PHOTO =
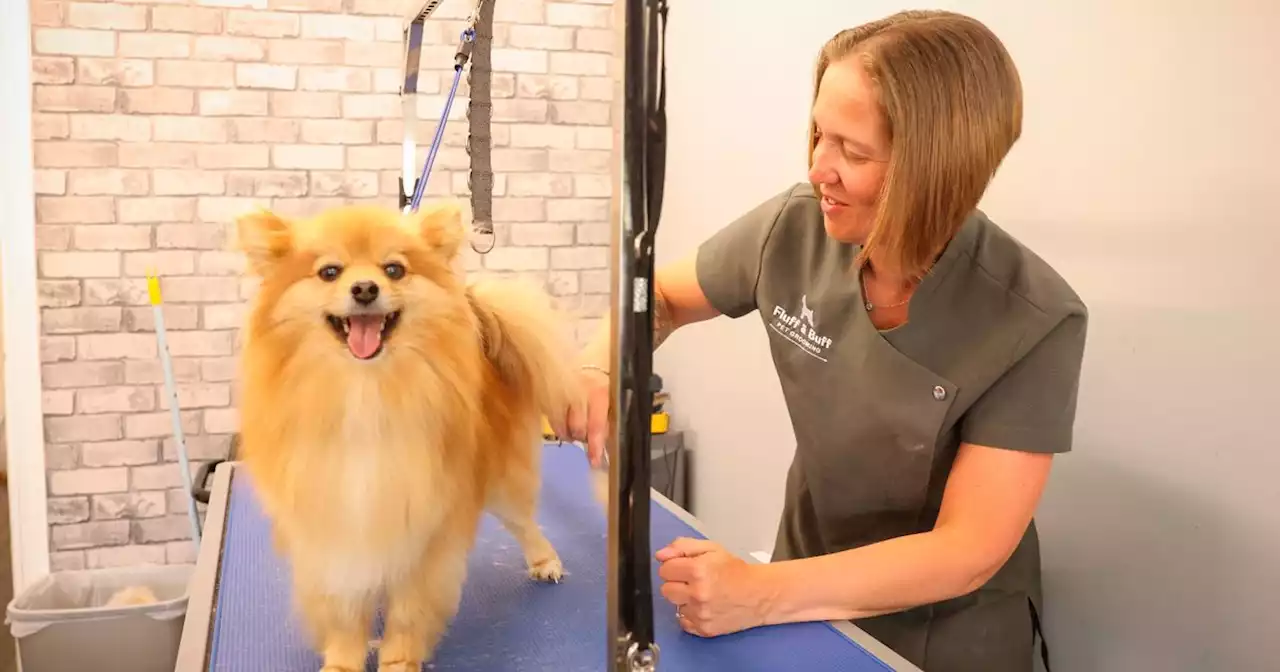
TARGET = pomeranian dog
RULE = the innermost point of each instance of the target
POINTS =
(385, 405)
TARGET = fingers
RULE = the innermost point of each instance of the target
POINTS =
(676, 593)
(597, 423)
(576, 421)
(686, 547)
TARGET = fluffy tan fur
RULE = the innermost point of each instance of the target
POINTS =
(375, 472)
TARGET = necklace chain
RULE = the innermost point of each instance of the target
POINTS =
(870, 305)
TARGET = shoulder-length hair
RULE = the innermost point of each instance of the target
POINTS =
(951, 99)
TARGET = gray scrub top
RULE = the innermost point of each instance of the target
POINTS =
(991, 355)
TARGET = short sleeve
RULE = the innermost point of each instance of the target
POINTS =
(1032, 407)
(728, 263)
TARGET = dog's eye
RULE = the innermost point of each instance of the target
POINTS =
(330, 273)
(393, 270)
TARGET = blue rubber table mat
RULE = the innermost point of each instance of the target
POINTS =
(507, 621)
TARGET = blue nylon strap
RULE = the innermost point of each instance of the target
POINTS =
(468, 35)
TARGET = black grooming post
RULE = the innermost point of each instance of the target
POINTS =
(631, 632)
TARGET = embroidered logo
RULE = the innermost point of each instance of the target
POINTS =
(801, 330)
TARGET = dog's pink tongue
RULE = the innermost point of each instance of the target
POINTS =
(365, 335)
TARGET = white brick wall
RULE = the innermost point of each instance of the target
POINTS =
(156, 123)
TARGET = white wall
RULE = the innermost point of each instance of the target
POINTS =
(1151, 149)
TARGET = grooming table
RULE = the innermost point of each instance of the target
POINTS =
(239, 617)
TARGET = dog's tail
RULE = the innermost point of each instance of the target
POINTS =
(527, 341)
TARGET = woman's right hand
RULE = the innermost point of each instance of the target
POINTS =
(588, 421)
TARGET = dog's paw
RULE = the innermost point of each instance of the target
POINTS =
(549, 570)
(400, 666)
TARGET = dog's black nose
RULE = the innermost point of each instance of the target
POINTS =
(365, 292)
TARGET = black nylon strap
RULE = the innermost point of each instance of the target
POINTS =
(479, 124)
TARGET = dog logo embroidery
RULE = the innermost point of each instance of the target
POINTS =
(806, 313)
(801, 330)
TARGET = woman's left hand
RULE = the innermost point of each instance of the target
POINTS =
(714, 591)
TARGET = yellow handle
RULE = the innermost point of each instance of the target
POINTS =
(153, 288)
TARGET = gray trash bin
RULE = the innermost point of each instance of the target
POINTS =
(61, 623)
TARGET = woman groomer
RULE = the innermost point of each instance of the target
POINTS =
(929, 361)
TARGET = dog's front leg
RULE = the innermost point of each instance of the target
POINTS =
(420, 609)
(340, 626)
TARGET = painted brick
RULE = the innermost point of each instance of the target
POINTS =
(144, 504)
(89, 535)
(188, 183)
(120, 453)
(115, 400)
(74, 210)
(74, 98)
(232, 156)
(200, 343)
(158, 425)
(75, 154)
(175, 317)
(190, 236)
(74, 42)
(266, 76)
(50, 237)
(54, 349)
(58, 402)
(166, 528)
(580, 257)
(156, 477)
(221, 47)
(155, 210)
(267, 130)
(180, 19)
(58, 293)
(308, 104)
(233, 103)
(64, 561)
(63, 510)
(578, 14)
(133, 555)
(53, 70)
(45, 126)
(304, 52)
(218, 369)
(88, 481)
(155, 45)
(158, 100)
(115, 72)
(80, 320)
(48, 13)
(156, 154)
(205, 74)
(200, 447)
(263, 24)
(142, 371)
(79, 264)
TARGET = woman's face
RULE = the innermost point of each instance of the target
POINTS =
(851, 155)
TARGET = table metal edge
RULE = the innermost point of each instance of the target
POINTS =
(193, 648)
(859, 636)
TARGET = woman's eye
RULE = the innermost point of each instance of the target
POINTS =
(330, 273)
(394, 270)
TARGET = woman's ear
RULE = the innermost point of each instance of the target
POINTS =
(265, 238)
(440, 227)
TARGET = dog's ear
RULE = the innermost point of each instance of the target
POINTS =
(440, 226)
(264, 237)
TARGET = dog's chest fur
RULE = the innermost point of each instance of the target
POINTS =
(393, 493)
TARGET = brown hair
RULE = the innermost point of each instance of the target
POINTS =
(952, 105)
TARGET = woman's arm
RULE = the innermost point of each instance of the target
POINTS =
(988, 503)
(678, 300)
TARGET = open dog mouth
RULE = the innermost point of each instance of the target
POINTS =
(364, 334)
